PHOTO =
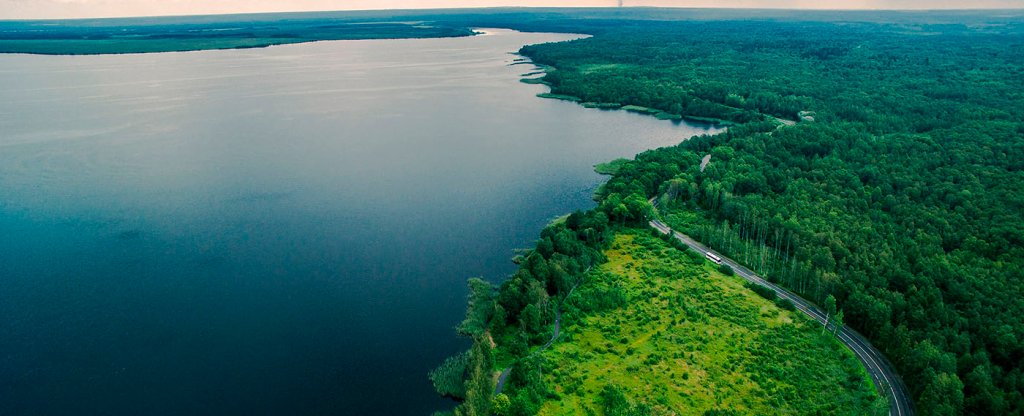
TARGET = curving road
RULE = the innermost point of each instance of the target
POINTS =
(881, 371)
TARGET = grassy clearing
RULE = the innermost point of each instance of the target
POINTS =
(689, 340)
(604, 106)
(559, 97)
(611, 167)
(661, 115)
(639, 109)
(590, 68)
(534, 81)
(558, 220)
(712, 120)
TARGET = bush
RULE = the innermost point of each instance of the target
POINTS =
(726, 269)
(615, 403)
(785, 304)
(449, 377)
(679, 245)
(501, 404)
(764, 292)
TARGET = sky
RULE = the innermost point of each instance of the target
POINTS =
(62, 9)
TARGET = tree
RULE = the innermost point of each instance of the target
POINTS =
(639, 209)
(501, 404)
(837, 323)
(480, 308)
(449, 377)
(830, 309)
(479, 387)
(942, 396)
(531, 320)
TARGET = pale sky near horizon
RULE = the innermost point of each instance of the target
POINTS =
(63, 9)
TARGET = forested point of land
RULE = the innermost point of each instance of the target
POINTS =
(897, 193)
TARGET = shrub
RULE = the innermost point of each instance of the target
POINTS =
(785, 304)
(764, 292)
(726, 269)
(449, 377)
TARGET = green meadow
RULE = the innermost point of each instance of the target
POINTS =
(689, 340)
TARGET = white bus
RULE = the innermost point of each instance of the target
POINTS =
(714, 259)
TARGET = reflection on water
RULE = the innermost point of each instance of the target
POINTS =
(272, 231)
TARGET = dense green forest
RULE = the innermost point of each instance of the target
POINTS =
(898, 193)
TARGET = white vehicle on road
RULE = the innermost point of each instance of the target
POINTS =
(714, 259)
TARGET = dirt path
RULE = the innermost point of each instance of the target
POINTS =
(554, 336)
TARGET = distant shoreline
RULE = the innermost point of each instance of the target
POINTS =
(34, 39)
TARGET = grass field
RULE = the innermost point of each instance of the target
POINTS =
(610, 167)
(692, 341)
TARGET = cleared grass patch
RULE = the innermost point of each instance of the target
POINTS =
(589, 68)
(559, 97)
(611, 167)
(688, 339)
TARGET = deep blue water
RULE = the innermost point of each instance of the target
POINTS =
(272, 231)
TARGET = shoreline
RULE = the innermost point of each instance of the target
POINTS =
(140, 39)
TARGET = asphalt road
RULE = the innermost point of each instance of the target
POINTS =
(881, 371)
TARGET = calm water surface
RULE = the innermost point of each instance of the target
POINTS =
(274, 231)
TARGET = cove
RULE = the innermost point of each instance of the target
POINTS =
(273, 231)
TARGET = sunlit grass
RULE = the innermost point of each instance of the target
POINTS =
(691, 339)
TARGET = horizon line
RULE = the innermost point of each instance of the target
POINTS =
(427, 9)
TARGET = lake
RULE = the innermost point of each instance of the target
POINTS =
(273, 231)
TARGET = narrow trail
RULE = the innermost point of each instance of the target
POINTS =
(554, 336)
